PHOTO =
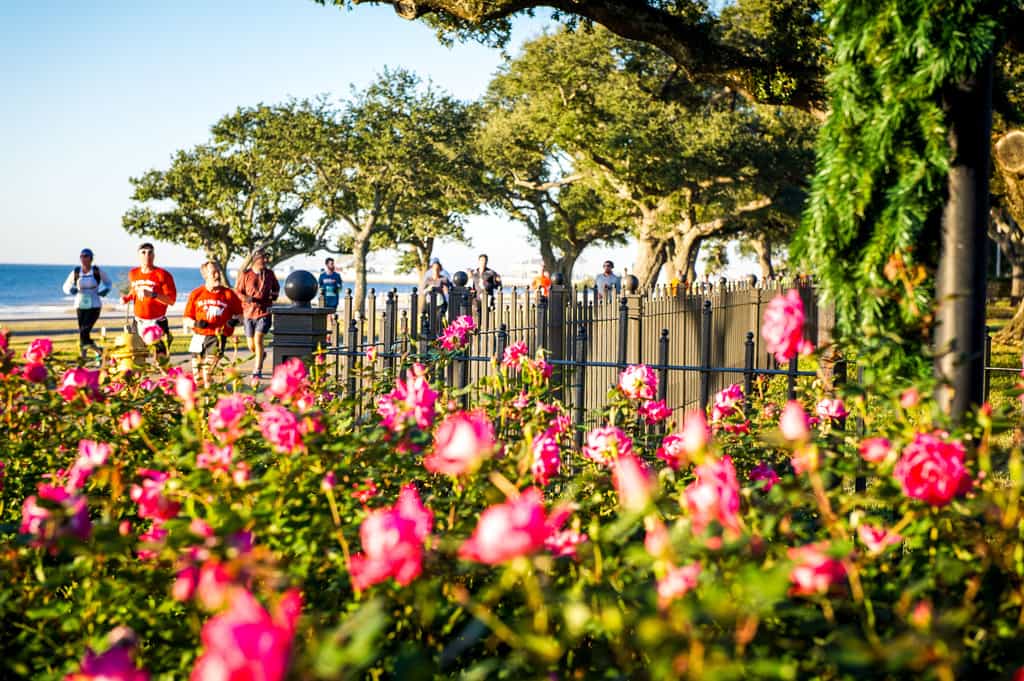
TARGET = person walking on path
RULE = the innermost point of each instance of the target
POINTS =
(258, 289)
(607, 280)
(436, 279)
(215, 311)
(542, 282)
(151, 290)
(87, 283)
(330, 284)
(485, 282)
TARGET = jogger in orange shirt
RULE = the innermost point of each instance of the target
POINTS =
(152, 290)
(215, 311)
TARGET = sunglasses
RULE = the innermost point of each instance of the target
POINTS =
(145, 251)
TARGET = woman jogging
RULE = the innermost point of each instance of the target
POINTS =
(215, 311)
(87, 283)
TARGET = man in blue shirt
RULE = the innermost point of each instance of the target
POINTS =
(330, 285)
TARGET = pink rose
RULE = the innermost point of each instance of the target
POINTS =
(638, 382)
(606, 444)
(130, 421)
(782, 326)
(461, 443)
(150, 496)
(877, 539)
(794, 423)
(185, 389)
(38, 350)
(392, 541)
(455, 335)
(78, 380)
(151, 334)
(281, 428)
(411, 400)
(656, 539)
(633, 482)
(289, 379)
(547, 459)
(654, 411)
(34, 373)
(875, 449)
(116, 664)
(329, 481)
(677, 449)
(677, 582)
(910, 398)
(215, 458)
(714, 495)
(832, 409)
(240, 475)
(515, 528)
(763, 471)
(91, 455)
(371, 354)
(514, 355)
(932, 469)
(563, 544)
(813, 572)
(226, 417)
(45, 525)
(246, 642)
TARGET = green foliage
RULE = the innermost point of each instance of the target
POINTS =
(883, 156)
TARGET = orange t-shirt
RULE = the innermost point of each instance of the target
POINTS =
(216, 307)
(542, 282)
(157, 280)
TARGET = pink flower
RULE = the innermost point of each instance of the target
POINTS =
(714, 496)
(653, 411)
(763, 471)
(91, 455)
(909, 398)
(606, 444)
(564, 543)
(240, 475)
(38, 350)
(515, 528)
(794, 423)
(246, 642)
(289, 379)
(782, 326)
(814, 571)
(185, 389)
(455, 334)
(150, 496)
(151, 334)
(393, 542)
(185, 583)
(727, 402)
(371, 354)
(875, 449)
(152, 539)
(677, 582)
(130, 421)
(79, 379)
(539, 368)
(633, 482)
(115, 664)
(34, 373)
(226, 417)
(46, 525)
(832, 409)
(514, 355)
(461, 443)
(638, 382)
(214, 585)
(281, 429)
(367, 492)
(411, 400)
(877, 539)
(522, 400)
(215, 458)
(676, 450)
(656, 539)
(932, 469)
(329, 482)
(546, 458)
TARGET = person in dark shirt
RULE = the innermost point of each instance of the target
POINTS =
(258, 288)
(485, 282)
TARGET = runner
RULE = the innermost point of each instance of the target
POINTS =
(152, 290)
(485, 282)
(258, 289)
(87, 283)
(330, 284)
(542, 282)
(215, 311)
(439, 281)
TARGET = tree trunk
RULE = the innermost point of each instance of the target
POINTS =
(360, 251)
(763, 247)
(1016, 281)
(566, 264)
(650, 257)
(1013, 332)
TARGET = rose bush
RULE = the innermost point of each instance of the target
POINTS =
(152, 529)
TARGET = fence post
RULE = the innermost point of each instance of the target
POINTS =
(463, 375)
(637, 305)
(748, 369)
(623, 330)
(542, 322)
(424, 345)
(705, 355)
(860, 483)
(663, 372)
(390, 324)
(502, 342)
(414, 312)
(556, 333)
(987, 363)
(458, 297)
(794, 365)
(579, 384)
(353, 340)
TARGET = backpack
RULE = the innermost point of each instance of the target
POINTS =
(95, 273)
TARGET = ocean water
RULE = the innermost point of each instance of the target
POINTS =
(34, 291)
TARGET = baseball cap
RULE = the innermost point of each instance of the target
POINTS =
(86, 251)
(435, 260)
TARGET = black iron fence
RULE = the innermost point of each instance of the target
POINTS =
(698, 340)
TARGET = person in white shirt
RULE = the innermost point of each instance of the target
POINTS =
(607, 280)
(88, 284)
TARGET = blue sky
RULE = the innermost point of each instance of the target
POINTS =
(96, 92)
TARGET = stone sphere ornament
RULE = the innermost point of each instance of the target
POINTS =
(460, 278)
(300, 287)
(558, 279)
(630, 283)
